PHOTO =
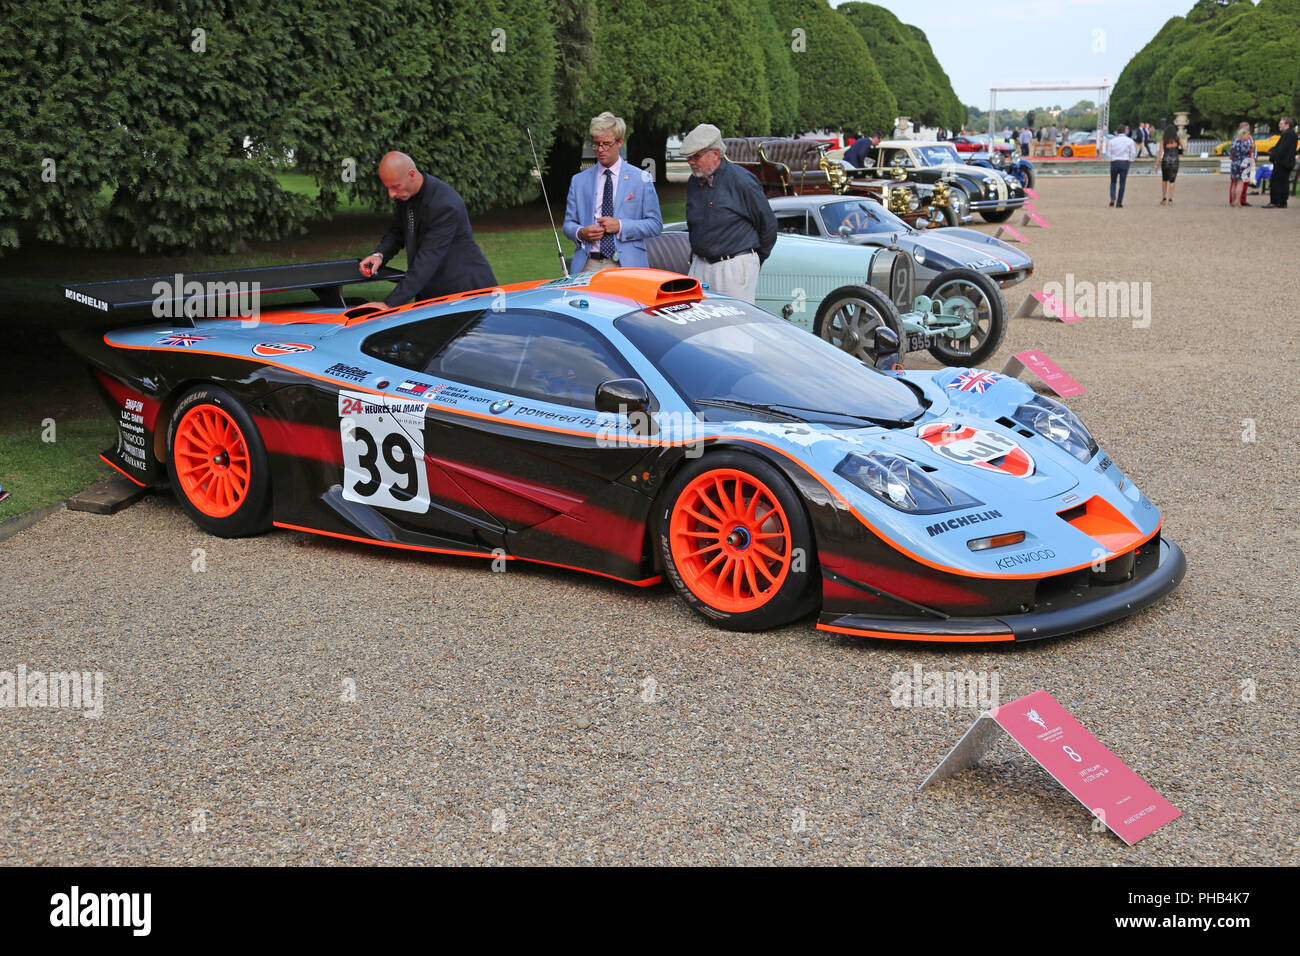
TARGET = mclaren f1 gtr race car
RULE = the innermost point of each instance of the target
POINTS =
(630, 425)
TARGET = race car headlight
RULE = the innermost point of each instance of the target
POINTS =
(1058, 425)
(919, 255)
(901, 484)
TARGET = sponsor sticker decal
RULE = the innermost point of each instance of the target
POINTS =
(978, 448)
(962, 521)
(496, 408)
(413, 388)
(272, 349)
(1025, 557)
(349, 372)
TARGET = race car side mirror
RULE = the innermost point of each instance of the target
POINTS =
(886, 348)
(622, 396)
(630, 397)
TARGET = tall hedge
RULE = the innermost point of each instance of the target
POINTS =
(152, 109)
(899, 58)
(668, 66)
(839, 85)
(1248, 69)
(1144, 92)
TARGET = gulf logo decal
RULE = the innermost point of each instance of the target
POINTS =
(273, 349)
(978, 448)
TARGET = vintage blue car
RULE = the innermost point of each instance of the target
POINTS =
(844, 265)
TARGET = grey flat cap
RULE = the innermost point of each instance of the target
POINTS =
(704, 136)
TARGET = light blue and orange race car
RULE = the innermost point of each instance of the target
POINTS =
(628, 424)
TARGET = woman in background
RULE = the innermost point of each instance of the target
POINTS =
(1242, 156)
(1171, 147)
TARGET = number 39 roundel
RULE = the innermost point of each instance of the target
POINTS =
(383, 451)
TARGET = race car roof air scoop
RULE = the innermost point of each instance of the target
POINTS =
(205, 295)
(651, 287)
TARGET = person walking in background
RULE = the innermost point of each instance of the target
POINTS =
(1283, 156)
(1240, 155)
(1025, 137)
(1171, 148)
(1122, 151)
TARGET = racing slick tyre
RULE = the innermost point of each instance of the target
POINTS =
(736, 542)
(1002, 216)
(849, 317)
(979, 295)
(217, 464)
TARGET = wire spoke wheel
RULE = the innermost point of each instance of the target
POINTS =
(737, 559)
(849, 319)
(213, 464)
(974, 297)
(964, 299)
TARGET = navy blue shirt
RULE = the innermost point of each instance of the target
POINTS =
(730, 216)
(857, 154)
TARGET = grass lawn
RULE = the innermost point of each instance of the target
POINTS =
(37, 473)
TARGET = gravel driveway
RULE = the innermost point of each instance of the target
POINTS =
(289, 699)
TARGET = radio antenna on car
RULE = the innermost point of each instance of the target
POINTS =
(564, 266)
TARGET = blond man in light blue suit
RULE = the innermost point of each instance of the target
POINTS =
(612, 207)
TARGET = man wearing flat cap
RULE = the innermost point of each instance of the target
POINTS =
(732, 227)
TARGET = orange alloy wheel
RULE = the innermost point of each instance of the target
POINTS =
(212, 461)
(730, 540)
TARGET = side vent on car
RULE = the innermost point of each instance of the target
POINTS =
(1101, 521)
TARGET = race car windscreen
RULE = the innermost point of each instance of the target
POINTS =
(725, 350)
(938, 155)
(864, 217)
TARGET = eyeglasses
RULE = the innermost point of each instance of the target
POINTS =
(696, 157)
(596, 144)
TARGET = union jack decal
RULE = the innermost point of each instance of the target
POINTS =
(181, 339)
(975, 380)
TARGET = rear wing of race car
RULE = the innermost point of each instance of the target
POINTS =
(208, 294)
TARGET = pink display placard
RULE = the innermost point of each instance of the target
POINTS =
(1055, 307)
(1029, 191)
(1082, 764)
(1051, 373)
(1038, 220)
(1030, 205)
(1014, 234)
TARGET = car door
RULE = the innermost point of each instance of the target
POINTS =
(512, 436)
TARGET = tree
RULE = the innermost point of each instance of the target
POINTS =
(1249, 69)
(898, 58)
(839, 85)
(668, 66)
(781, 80)
(1143, 91)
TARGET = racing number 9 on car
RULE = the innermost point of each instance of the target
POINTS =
(383, 452)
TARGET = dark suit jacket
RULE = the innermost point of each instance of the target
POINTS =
(446, 259)
(1283, 154)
